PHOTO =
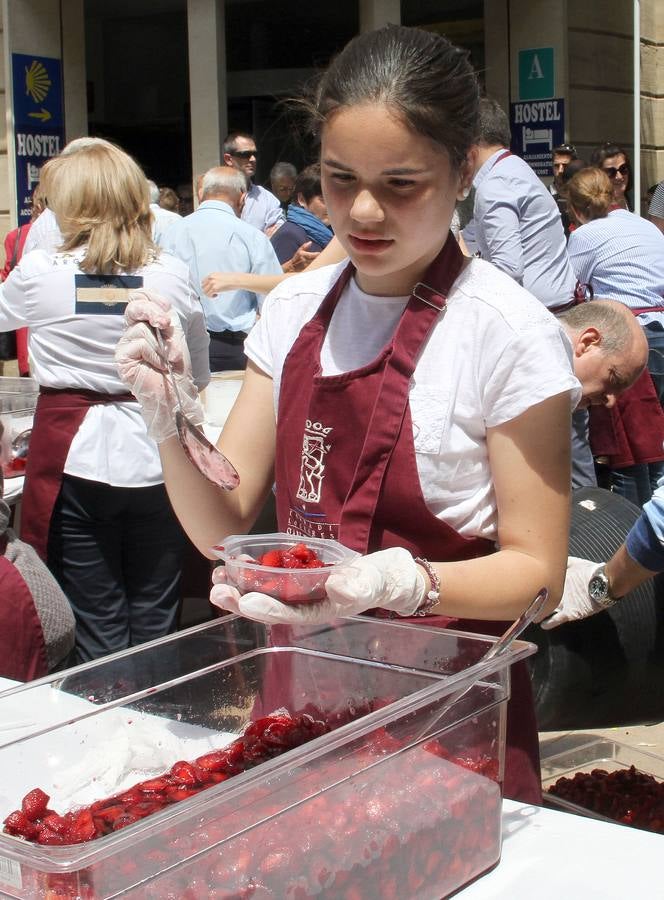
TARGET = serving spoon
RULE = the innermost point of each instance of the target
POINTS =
(207, 458)
(499, 647)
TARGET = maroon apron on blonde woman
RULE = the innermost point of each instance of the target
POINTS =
(58, 417)
(346, 469)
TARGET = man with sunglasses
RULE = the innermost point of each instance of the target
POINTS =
(261, 208)
(561, 156)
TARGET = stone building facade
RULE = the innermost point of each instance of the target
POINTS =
(176, 62)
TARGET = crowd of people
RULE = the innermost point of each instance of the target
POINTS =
(409, 385)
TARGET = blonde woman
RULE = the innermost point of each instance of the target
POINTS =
(95, 506)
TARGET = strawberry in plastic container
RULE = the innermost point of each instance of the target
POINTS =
(288, 567)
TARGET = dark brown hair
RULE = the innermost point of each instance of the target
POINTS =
(426, 79)
(605, 151)
(307, 183)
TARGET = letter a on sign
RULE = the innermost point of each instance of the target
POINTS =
(536, 75)
(536, 68)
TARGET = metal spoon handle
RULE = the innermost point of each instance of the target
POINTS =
(518, 625)
(163, 353)
(498, 647)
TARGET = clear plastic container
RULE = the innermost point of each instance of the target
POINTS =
(18, 399)
(17, 394)
(396, 800)
(291, 586)
(601, 753)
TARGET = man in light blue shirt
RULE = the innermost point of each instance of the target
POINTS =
(516, 220)
(214, 239)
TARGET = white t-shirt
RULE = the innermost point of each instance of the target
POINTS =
(495, 353)
(70, 350)
(44, 234)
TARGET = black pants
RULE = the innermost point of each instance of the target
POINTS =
(117, 554)
(227, 351)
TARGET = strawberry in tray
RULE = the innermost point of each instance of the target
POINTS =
(262, 739)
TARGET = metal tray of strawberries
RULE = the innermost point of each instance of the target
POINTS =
(237, 759)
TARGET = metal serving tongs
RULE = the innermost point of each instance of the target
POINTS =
(207, 458)
(499, 647)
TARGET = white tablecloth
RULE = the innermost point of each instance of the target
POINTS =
(551, 855)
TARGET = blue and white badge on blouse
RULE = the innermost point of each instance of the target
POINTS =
(104, 295)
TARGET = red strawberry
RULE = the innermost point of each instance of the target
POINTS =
(154, 785)
(175, 794)
(35, 803)
(82, 827)
(302, 552)
(216, 777)
(18, 823)
(272, 558)
(46, 836)
(55, 823)
(111, 813)
(212, 762)
(184, 773)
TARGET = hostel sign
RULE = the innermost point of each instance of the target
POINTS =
(537, 127)
(38, 121)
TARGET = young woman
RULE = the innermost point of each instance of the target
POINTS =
(614, 162)
(621, 256)
(412, 403)
(94, 503)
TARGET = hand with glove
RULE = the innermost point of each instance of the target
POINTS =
(143, 370)
(576, 602)
(389, 579)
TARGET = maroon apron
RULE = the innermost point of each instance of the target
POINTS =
(632, 431)
(22, 646)
(58, 417)
(346, 469)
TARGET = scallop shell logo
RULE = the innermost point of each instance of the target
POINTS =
(37, 82)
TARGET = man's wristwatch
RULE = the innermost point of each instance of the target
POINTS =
(598, 589)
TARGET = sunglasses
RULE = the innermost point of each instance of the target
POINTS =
(565, 148)
(612, 171)
(244, 154)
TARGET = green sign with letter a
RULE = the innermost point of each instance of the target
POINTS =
(536, 79)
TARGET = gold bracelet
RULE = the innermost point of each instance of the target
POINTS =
(433, 596)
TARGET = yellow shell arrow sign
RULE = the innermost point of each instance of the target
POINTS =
(43, 114)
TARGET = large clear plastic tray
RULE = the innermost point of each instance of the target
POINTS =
(401, 798)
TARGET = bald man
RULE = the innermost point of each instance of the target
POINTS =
(214, 239)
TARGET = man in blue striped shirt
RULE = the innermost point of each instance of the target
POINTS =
(516, 220)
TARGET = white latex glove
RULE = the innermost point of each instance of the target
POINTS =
(142, 369)
(575, 604)
(389, 579)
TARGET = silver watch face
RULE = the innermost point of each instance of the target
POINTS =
(598, 587)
